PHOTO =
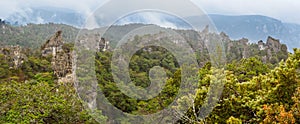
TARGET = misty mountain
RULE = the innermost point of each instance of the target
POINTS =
(156, 18)
(253, 27)
(42, 15)
(257, 27)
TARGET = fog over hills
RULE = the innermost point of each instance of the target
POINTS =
(42, 15)
(253, 27)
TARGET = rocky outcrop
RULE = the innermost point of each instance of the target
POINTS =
(62, 64)
(103, 45)
(240, 46)
(274, 51)
(273, 44)
(61, 57)
(261, 45)
(225, 37)
(53, 45)
(271, 51)
(15, 55)
(93, 41)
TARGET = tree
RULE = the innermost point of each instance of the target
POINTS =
(39, 102)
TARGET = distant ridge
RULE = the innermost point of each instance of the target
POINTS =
(252, 27)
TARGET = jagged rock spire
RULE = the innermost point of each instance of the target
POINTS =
(53, 45)
(61, 59)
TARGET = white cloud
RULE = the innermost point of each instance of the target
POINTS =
(7, 8)
(148, 18)
(83, 6)
(285, 10)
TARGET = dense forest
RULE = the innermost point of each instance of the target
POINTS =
(261, 85)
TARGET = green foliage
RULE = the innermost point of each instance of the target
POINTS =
(261, 96)
(139, 68)
(246, 69)
(44, 77)
(5, 72)
(34, 35)
(254, 91)
(39, 102)
(233, 120)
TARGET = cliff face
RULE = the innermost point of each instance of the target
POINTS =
(61, 57)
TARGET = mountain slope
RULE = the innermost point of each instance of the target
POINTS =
(33, 35)
(256, 27)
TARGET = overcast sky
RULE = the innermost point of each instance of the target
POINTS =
(284, 10)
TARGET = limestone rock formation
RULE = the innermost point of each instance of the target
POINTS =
(53, 45)
(271, 51)
(61, 57)
(225, 37)
(240, 46)
(15, 55)
(261, 45)
(273, 44)
(93, 41)
(103, 45)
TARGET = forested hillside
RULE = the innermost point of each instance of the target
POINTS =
(261, 86)
(33, 35)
